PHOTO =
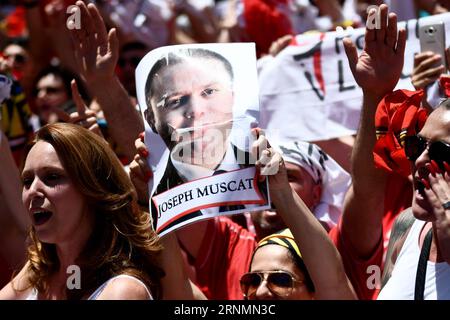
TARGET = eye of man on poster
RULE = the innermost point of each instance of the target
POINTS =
(199, 103)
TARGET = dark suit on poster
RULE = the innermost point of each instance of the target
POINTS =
(171, 179)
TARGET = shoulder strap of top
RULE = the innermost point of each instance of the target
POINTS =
(100, 289)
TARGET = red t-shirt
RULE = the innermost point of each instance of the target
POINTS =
(224, 256)
(358, 270)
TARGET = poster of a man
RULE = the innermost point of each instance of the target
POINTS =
(200, 103)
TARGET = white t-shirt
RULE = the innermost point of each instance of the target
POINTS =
(401, 284)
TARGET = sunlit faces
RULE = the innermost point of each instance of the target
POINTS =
(194, 98)
(436, 128)
(50, 94)
(274, 258)
(57, 210)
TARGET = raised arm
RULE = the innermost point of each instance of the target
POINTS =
(376, 71)
(176, 284)
(96, 53)
(318, 252)
(14, 220)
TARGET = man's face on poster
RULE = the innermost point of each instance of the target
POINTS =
(192, 104)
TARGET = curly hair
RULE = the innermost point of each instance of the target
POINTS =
(122, 241)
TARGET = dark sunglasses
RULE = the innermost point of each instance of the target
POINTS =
(18, 58)
(438, 151)
(134, 61)
(279, 282)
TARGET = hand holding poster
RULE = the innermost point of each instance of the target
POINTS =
(199, 103)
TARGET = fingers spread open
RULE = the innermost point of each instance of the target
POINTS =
(113, 44)
(401, 42)
(382, 31)
(100, 29)
(370, 34)
(391, 35)
(79, 103)
(351, 52)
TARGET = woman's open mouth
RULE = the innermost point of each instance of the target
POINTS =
(41, 217)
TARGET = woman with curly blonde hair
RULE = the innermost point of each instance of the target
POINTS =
(84, 213)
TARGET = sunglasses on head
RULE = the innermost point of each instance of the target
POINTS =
(438, 151)
(279, 282)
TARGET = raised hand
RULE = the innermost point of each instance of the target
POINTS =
(84, 116)
(269, 162)
(96, 51)
(379, 66)
(140, 172)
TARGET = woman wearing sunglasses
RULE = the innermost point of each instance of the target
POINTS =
(277, 269)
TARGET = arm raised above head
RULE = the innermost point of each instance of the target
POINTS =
(376, 70)
(96, 54)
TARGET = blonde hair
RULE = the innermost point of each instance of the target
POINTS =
(122, 240)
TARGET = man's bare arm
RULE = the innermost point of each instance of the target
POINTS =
(376, 70)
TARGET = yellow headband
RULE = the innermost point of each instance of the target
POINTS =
(283, 238)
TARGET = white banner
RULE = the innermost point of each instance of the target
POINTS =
(308, 92)
(209, 194)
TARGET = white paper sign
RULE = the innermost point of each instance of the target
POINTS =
(200, 103)
(210, 194)
(308, 92)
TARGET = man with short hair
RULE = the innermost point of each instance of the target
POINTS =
(190, 96)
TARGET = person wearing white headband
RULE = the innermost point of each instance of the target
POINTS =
(325, 172)
(316, 177)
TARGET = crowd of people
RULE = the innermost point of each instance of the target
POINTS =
(371, 224)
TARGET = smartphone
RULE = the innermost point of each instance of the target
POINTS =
(432, 38)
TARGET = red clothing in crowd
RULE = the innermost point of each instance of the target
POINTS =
(224, 256)
(265, 22)
(398, 115)
(364, 274)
